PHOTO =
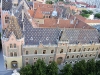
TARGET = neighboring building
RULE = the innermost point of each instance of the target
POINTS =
(91, 22)
(24, 42)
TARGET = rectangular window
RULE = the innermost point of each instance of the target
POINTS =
(11, 54)
(14, 45)
(26, 52)
(15, 53)
(10, 45)
(44, 51)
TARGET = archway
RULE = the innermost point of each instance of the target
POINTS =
(14, 64)
(59, 60)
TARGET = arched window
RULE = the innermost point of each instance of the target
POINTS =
(67, 57)
(15, 53)
(74, 50)
(61, 51)
(35, 52)
(14, 45)
(11, 54)
(52, 51)
(69, 50)
(77, 56)
(44, 51)
(73, 56)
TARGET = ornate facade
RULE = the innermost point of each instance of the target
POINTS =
(24, 44)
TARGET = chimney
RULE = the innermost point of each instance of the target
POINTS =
(58, 21)
(77, 22)
(74, 18)
(71, 22)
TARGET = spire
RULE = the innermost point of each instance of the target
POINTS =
(23, 15)
(12, 14)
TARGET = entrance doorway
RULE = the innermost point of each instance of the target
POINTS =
(59, 60)
(14, 64)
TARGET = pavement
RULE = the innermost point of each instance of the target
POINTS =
(3, 70)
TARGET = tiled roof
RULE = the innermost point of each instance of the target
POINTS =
(35, 35)
(61, 23)
(87, 20)
(13, 27)
(37, 4)
(44, 10)
(31, 12)
(92, 21)
(81, 17)
(82, 36)
(38, 14)
(6, 4)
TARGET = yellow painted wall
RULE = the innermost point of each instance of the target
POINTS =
(10, 59)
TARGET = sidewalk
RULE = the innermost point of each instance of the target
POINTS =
(3, 70)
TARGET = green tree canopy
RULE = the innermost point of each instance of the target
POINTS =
(86, 13)
(27, 70)
(80, 68)
(98, 67)
(91, 69)
(40, 67)
(67, 70)
(97, 15)
(49, 2)
(52, 69)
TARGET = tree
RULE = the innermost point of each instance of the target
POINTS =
(27, 70)
(85, 15)
(80, 68)
(40, 67)
(91, 69)
(67, 70)
(90, 12)
(49, 2)
(97, 15)
(98, 67)
(85, 11)
(52, 69)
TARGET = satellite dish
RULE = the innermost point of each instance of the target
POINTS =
(54, 13)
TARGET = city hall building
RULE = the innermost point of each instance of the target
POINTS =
(24, 42)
